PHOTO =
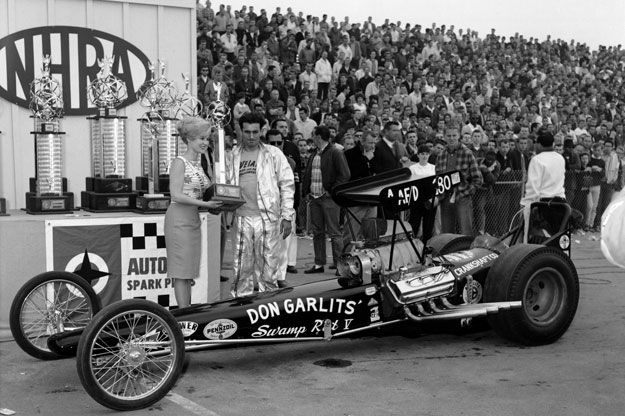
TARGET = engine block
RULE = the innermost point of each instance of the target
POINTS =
(422, 285)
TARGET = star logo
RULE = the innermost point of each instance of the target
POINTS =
(83, 266)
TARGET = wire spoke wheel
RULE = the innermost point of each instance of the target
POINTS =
(130, 356)
(49, 304)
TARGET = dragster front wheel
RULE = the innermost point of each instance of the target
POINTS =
(131, 355)
(50, 303)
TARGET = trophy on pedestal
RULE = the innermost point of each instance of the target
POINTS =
(219, 114)
(48, 190)
(159, 143)
(107, 189)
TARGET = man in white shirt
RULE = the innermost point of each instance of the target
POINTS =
(323, 71)
(545, 175)
(309, 76)
(346, 49)
(229, 40)
(305, 125)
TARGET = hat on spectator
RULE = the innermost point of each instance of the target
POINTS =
(545, 138)
(613, 231)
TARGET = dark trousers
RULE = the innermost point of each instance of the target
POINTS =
(322, 90)
(457, 216)
(324, 219)
(421, 216)
(605, 196)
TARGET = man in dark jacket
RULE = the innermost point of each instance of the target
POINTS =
(326, 169)
(360, 162)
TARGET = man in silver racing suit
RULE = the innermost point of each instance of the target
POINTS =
(268, 188)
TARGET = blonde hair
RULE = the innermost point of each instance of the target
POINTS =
(192, 127)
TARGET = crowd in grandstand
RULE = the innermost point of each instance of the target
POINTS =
(356, 77)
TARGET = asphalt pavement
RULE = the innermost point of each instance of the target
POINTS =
(401, 371)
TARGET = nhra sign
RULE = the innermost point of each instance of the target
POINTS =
(74, 53)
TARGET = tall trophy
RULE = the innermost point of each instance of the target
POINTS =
(48, 189)
(159, 142)
(219, 114)
(107, 189)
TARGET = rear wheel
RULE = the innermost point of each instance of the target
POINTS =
(48, 304)
(131, 355)
(449, 243)
(546, 282)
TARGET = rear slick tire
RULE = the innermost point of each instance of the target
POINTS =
(131, 355)
(545, 280)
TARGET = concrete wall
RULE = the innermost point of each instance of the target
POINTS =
(161, 29)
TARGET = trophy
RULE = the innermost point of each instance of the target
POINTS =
(186, 106)
(159, 142)
(218, 114)
(107, 189)
(48, 190)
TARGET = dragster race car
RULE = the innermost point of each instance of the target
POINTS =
(130, 353)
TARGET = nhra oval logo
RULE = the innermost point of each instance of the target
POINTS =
(220, 329)
(74, 54)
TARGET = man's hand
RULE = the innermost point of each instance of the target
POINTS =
(285, 228)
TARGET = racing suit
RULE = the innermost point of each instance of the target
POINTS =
(257, 240)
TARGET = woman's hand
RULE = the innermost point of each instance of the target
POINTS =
(213, 205)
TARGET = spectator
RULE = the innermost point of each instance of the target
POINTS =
(422, 214)
(326, 169)
(456, 206)
(596, 169)
(305, 125)
(288, 258)
(264, 220)
(323, 71)
(608, 182)
(545, 176)
(490, 169)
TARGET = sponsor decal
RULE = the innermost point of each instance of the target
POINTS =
(188, 328)
(475, 263)
(370, 291)
(375, 314)
(220, 329)
(74, 53)
(301, 305)
(267, 331)
(472, 292)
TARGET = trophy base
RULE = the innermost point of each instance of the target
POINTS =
(107, 202)
(152, 204)
(3, 207)
(108, 185)
(142, 184)
(230, 195)
(49, 204)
